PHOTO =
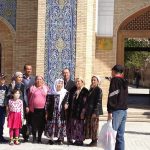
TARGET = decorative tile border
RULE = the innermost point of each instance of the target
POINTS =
(8, 11)
(60, 38)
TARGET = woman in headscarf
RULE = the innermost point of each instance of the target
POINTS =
(18, 85)
(93, 110)
(56, 105)
(37, 100)
(77, 105)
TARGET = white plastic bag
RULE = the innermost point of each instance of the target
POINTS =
(107, 136)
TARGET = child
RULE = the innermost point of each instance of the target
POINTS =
(15, 116)
(3, 90)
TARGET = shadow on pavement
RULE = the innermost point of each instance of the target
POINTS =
(134, 132)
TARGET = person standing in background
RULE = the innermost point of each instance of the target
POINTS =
(3, 91)
(117, 104)
(137, 77)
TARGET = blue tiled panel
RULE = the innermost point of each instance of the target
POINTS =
(8, 11)
(60, 38)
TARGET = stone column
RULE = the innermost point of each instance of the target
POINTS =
(85, 39)
(41, 37)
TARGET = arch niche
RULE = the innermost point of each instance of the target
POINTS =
(7, 38)
(135, 26)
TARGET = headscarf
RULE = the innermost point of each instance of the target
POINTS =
(97, 77)
(18, 74)
(62, 92)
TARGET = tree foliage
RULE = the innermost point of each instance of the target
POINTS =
(136, 58)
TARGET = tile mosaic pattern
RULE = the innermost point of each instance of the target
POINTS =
(60, 38)
(8, 11)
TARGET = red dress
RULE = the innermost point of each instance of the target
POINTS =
(15, 115)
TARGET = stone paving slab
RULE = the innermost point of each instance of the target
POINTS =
(137, 137)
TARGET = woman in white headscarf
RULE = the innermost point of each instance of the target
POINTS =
(57, 103)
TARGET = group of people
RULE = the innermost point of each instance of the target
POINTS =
(66, 109)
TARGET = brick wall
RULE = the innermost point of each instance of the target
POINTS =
(85, 40)
(26, 34)
(6, 41)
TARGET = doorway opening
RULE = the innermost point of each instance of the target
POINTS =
(137, 69)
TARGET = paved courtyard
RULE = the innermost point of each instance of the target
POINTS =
(137, 137)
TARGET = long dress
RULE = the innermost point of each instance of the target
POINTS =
(94, 106)
(56, 124)
(56, 121)
(77, 103)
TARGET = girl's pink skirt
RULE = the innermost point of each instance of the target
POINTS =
(14, 120)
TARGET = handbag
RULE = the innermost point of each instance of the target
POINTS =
(26, 129)
(107, 136)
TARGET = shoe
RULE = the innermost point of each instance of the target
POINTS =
(17, 142)
(34, 139)
(50, 142)
(39, 140)
(78, 143)
(3, 140)
(59, 142)
(25, 140)
(70, 142)
(11, 142)
(93, 143)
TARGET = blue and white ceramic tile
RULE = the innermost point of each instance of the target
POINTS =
(60, 38)
(8, 11)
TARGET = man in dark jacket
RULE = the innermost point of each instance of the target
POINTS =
(68, 83)
(117, 104)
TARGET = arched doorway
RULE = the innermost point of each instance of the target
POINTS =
(137, 26)
(7, 44)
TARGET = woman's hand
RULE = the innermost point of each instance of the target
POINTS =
(66, 106)
(27, 109)
(93, 116)
(46, 116)
(109, 116)
(82, 116)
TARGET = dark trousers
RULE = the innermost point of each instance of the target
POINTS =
(2, 119)
(38, 122)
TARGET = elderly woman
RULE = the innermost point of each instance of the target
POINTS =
(57, 103)
(77, 104)
(18, 85)
(93, 110)
(37, 99)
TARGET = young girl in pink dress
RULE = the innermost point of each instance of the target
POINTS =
(15, 116)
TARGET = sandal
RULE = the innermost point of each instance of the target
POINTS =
(11, 142)
(17, 141)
